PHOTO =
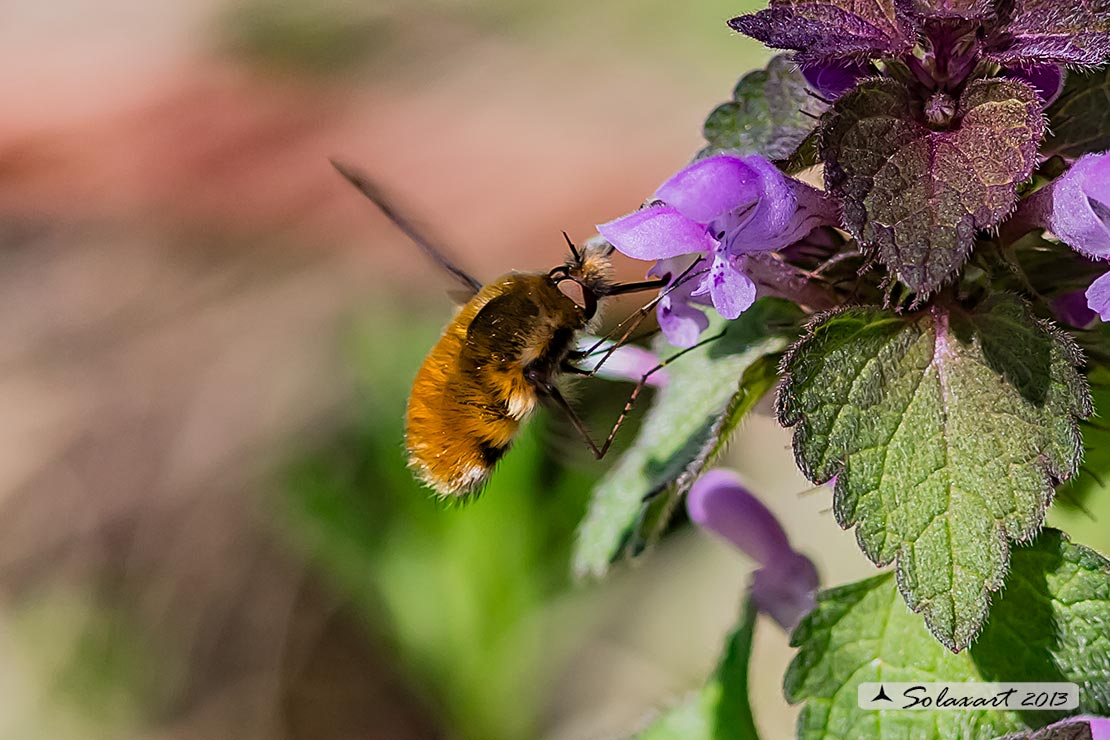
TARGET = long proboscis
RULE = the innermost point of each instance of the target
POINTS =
(374, 194)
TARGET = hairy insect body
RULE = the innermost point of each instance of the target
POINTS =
(485, 375)
(500, 356)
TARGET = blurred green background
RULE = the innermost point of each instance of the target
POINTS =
(207, 527)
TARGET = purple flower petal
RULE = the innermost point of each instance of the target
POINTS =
(748, 202)
(784, 587)
(732, 291)
(1073, 309)
(1076, 207)
(711, 187)
(834, 77)
(1098, 297)
(1046, 79)
(719, 502)
(772, 213)
(655, 233)
(787, 211)
(679, 320)
(787, 590)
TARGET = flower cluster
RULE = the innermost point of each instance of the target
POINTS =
(720, 209)
(940, 84)
(964, 147)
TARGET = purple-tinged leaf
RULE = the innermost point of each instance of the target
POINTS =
(917, 196)
(965, 9)
(1073, 728)
(830, 28)
(1079, 120)
(1063, 31)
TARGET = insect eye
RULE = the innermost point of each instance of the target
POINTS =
(582, 296)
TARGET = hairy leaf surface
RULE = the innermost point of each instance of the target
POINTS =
(820, 29)
(917, 196)
(970, 9)
(771, 113)
(863, 633)
(1062, 31)
(947, 431)
(1052, 622)
(1050, 625)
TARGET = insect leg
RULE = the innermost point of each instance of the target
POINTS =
(643, 383)
(641, 314)
(551, 392)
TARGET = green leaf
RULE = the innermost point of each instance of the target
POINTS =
(706, 396)
(1052, 622)
(1049, 625)
(863, 633)
(917, 196)
(947, 430)
(1094, 475)
(1080, 117)
(721, 710)
(771, 113)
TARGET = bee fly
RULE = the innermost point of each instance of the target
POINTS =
(499, 357)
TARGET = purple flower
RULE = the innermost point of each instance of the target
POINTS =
(722, 208)
(679, 320)
(832, 78)
(1075, 308)
(785, 585)
(1076, 209)
(1098, 297)
(1046, 79)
